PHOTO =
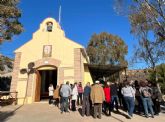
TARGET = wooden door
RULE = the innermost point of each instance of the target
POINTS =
(38, 86)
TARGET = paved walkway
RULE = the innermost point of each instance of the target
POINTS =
(42, 112)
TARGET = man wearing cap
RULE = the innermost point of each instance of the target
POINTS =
(97, 98)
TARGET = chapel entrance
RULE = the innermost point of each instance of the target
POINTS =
(44, 78)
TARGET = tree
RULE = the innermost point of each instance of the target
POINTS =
(9, 23)
(150, 13)
(147, 18)
(144, 23)
(151, 52)
(160, 74)
(6, 64)
(106, 48)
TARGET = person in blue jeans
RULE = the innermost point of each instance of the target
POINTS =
(147, 103)
(64, 104)
(129, 94)
(114, 96)
(65, 93)
(146, 93)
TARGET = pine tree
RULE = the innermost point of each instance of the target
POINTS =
(9, 19)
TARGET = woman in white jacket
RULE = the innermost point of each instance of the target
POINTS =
(74, 97)
(51, 90)
(129, 94)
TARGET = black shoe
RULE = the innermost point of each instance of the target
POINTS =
(146, 116)
(152, 116)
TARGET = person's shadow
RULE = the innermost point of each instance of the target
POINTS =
(80, 111)
(121, 113)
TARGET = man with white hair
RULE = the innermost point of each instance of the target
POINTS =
(97, 98)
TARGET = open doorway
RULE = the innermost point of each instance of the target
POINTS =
(47, 77)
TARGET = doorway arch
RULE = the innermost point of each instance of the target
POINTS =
(44, 77)
(46, 73)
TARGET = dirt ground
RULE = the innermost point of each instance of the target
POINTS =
(42, 112)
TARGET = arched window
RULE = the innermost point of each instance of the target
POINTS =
(49, 26)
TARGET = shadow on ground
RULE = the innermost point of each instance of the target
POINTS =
(120, 113)
(117, 119)
(80, 111)
(5, 115)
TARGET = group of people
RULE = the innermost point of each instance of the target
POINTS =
(67, 96)
(139, 97)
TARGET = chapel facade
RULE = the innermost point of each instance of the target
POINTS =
(49, 57)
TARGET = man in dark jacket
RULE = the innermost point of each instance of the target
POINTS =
(86, 100)
(114, 96)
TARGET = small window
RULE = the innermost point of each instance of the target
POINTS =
(49, 26)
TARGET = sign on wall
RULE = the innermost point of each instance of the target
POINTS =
(47, 50)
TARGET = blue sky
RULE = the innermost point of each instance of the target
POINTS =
(80, 19)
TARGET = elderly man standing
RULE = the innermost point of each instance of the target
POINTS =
(65, 93)
(86, 100)
(97, 98)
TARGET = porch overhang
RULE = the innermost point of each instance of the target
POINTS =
(104, 70)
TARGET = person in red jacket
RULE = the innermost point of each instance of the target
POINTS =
(107, 92)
